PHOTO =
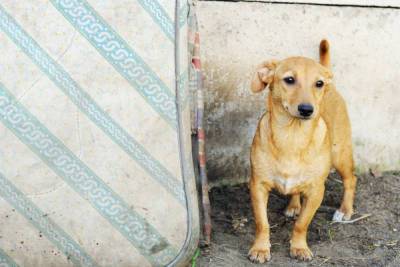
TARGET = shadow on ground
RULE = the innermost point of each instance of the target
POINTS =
(373, 241)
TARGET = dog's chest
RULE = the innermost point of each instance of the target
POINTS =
(288, 179)
(291, 184)
(293, 175)
(291, 161)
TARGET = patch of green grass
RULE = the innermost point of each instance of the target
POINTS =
(194, 258)
(331, 234)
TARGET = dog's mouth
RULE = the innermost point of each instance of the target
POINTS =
(305, 118)
(302, 118)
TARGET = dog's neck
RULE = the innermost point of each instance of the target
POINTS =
(290, 135)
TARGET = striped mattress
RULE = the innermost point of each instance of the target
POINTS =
(96, 113)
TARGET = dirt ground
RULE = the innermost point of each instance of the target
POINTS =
(373, 241)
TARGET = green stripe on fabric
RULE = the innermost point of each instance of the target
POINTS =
(48, 227)
(89, 107)
(160, 16)
(120, 55)
(84, 181)
(6, 261)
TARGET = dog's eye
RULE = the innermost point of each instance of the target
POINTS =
(319, 84)
(289, 80)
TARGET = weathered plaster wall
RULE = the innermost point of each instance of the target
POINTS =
(369, 3)
(365, 42)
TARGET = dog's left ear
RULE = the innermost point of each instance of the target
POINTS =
(264, 76)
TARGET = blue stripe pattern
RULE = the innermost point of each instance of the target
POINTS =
(160, 16)
(39, 219)
(84, 181)
(6, 261)
(88, 106)
(183, 14)
(118, 53)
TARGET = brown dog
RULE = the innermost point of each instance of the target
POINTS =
(305, 131)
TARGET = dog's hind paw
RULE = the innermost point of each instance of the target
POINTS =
(292, 212)
(339, 216)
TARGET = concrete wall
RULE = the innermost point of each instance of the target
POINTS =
(366, 3)
(365, 43)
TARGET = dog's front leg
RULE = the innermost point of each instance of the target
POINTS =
(260, 251)
(311, 201)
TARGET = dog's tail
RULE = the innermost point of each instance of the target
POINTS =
(324, 55)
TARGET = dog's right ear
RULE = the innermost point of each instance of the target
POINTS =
(264, 76)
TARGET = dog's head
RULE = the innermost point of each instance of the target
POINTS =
(297, 83)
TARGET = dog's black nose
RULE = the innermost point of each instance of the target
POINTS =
(305, 110)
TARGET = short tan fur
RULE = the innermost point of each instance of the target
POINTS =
(305, 132)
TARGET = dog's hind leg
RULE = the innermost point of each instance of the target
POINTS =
(334, 113)
(294, 206)
(344, 165)
(342, 159)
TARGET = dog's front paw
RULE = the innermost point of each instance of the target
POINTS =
(259, 254)
(301, 253)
